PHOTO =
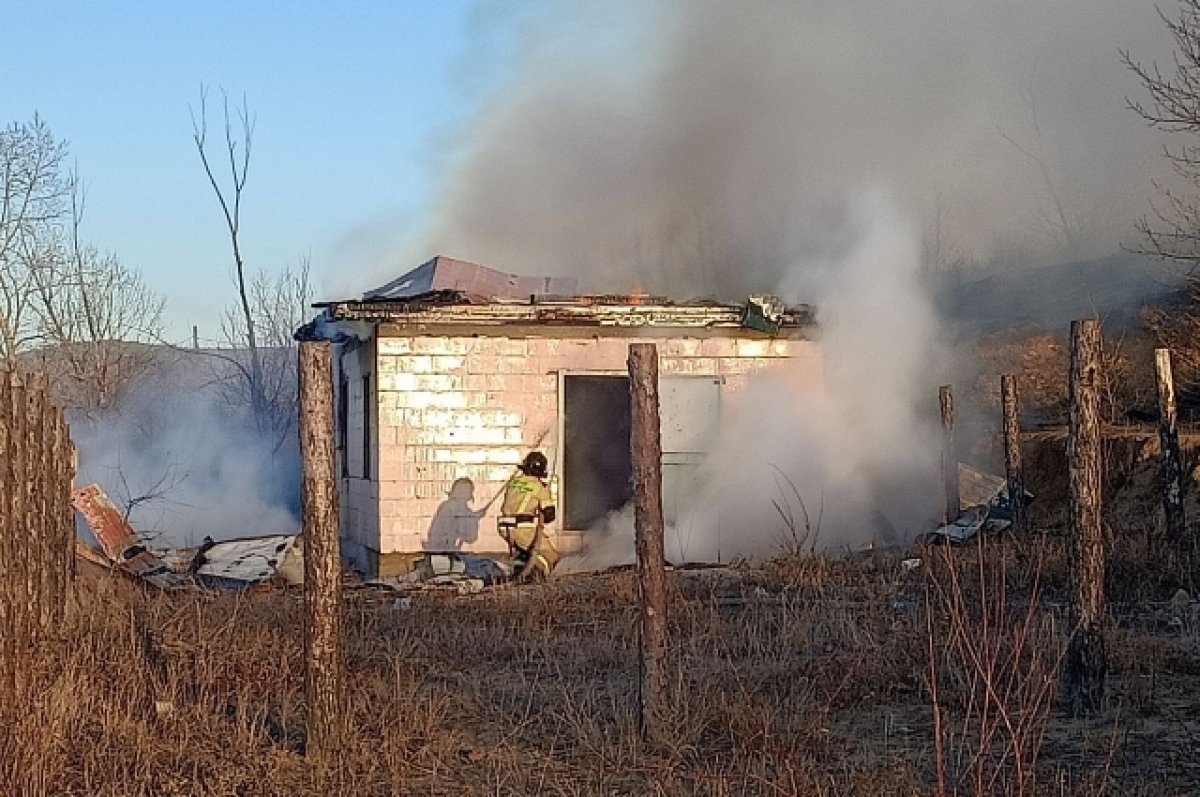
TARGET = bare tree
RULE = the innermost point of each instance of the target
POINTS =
(79, 312)
(268, 308)
(941, 249)
(95, 316)
(1171, 230)
(279, 303)
(33, 194)
(1064, 222)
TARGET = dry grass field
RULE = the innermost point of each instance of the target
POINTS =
(803, 676)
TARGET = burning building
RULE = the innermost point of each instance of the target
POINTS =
(448, 375)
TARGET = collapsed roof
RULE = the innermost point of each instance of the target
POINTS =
(448, 291)
(445, 274)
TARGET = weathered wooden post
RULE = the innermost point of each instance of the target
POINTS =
(18, 452)
(1010, 403)
(1085, 668)
(1168, 438)
(10, 560)
(646, 446)
(322, 556)
(949, 453)
(64, 456)
(43, 526)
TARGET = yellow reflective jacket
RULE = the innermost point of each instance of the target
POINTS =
(525, 495)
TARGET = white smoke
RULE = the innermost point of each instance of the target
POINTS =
(186, 465)
(805, 468)
(704, 147)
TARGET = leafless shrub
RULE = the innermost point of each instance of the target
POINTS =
(994, 658)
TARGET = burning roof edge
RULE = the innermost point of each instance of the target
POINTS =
(762, 313)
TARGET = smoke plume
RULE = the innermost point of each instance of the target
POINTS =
(830, 150)
(644, 143)
(185, 463)
(826, 467)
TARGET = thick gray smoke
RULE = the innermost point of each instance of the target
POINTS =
(835, 466)
(182, 459)
(831, 150)
(643, 142)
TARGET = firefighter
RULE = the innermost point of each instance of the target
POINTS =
(528, 506)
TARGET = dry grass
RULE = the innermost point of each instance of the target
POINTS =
(803, 677)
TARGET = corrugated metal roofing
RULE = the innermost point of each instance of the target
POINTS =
(447, 274)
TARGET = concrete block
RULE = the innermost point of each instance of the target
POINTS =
(518, 364)
(746, 365)
(391, 471)
(746, 347)
(438, 381)
(398, 381)
(681, 347)
(392, 346)
(441, 346)
(545, 347)
(718, 347)
(393, 491)
(483, 364)
(514, 347)
(689, 366)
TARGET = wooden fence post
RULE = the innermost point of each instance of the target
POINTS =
(1085, 668)
(43, 527)
(10, 556)
(18, 451)
(323, 656)
(646, 445)
(949, 453)
(1010, 402)
(1168, 438)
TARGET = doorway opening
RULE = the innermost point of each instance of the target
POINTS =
(597, 464)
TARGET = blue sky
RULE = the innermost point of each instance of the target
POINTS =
(352, 103)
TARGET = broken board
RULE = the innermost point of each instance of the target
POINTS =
(121, 543)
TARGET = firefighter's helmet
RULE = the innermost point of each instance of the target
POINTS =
(535, 464)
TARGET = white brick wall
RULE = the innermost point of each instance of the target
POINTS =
(358, 497)
(472, 406)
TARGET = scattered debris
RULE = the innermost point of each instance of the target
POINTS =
(121, 543)
(764, 313)
(233, 564)
(462, 573)
(985, 507)
(964, 529)
(237, 564)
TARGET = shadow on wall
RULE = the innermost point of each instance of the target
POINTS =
(455, 523)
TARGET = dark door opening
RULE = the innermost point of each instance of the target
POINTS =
(597, 470)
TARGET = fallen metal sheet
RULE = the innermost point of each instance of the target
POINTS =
(964, 529)
(235, 564)
(121, 543)
(976, 488)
